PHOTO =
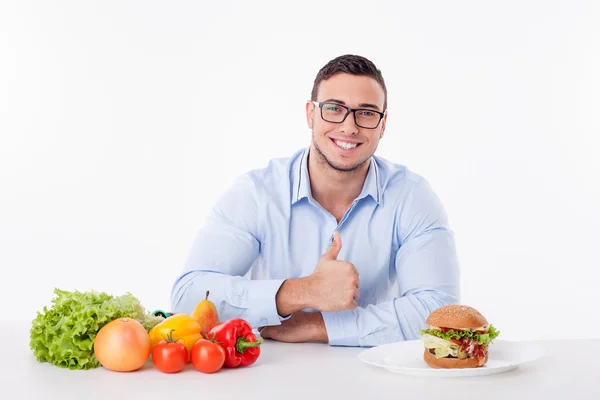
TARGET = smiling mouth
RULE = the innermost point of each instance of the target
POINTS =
(345, 145)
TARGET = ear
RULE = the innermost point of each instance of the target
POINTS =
(383, 122)
(310, 107)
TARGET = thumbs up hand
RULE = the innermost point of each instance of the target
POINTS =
(334, 249)
(334, 284)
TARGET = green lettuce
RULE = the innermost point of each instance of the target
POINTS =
(64, 334)
(481, 338)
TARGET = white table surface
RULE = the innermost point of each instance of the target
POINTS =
(569, 370)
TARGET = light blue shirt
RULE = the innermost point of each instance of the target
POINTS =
(267, 228)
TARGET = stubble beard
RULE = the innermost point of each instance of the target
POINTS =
(322, 159)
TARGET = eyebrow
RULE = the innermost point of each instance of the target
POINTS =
(343, 103)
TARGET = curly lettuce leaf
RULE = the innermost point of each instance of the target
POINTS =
(481, 338)
(64, 333)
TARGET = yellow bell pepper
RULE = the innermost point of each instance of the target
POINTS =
(185, 328)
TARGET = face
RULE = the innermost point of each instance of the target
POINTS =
(345, 146)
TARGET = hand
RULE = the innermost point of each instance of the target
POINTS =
(301, 327)
(334, 285)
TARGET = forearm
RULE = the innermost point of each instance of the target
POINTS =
(320, 329)
(233, 296)
(387, 322)
(294, 295)
(301, 327)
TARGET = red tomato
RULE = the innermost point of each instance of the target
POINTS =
(169, 356)
(207, 356)
(456, 341)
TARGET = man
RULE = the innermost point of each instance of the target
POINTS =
(333, 244)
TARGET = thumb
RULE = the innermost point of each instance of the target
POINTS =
(335, 247)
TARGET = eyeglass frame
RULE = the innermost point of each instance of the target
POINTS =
(348, 111)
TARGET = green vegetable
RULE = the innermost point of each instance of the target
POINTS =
(64, 334)
(480, 338)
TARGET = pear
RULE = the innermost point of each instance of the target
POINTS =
(206, 314)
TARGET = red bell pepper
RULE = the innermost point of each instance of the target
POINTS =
(240, 344)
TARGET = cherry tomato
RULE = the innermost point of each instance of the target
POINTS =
(169, 356)
(207, 356)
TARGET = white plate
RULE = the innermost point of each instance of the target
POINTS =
(407, 358)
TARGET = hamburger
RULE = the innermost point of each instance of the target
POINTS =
(458, 336)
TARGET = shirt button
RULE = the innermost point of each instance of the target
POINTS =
(263, 321)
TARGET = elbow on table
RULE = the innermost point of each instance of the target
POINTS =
(183, 297)
(422, 303)
(440, 298)
(431, 300)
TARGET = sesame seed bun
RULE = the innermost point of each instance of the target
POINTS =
(447, 362)
(456, 316)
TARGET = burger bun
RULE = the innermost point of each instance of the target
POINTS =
(457, 316)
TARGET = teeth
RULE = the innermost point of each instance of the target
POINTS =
(345, 145)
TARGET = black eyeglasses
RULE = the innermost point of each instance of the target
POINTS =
(336, 113)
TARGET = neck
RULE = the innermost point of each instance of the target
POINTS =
(331, 187)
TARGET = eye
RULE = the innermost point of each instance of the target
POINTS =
(367, 113)
(332, 108)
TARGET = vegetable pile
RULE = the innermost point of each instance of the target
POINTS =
(227, 344)
(84, 330)
(64, 333)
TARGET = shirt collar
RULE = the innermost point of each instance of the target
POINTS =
(301, 181)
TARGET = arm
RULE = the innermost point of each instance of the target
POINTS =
(427, 271)
(222, 253)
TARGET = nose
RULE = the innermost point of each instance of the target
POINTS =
(349, 126)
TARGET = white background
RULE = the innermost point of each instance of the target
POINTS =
(121, 122)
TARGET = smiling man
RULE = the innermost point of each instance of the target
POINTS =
(333, 244)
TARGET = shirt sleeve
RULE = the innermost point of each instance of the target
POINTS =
(428, 274)
(222, 253)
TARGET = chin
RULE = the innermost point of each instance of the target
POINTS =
(345, 163)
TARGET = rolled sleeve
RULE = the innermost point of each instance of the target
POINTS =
(260, 304)
(342, 328)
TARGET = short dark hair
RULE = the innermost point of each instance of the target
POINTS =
(349, 64)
